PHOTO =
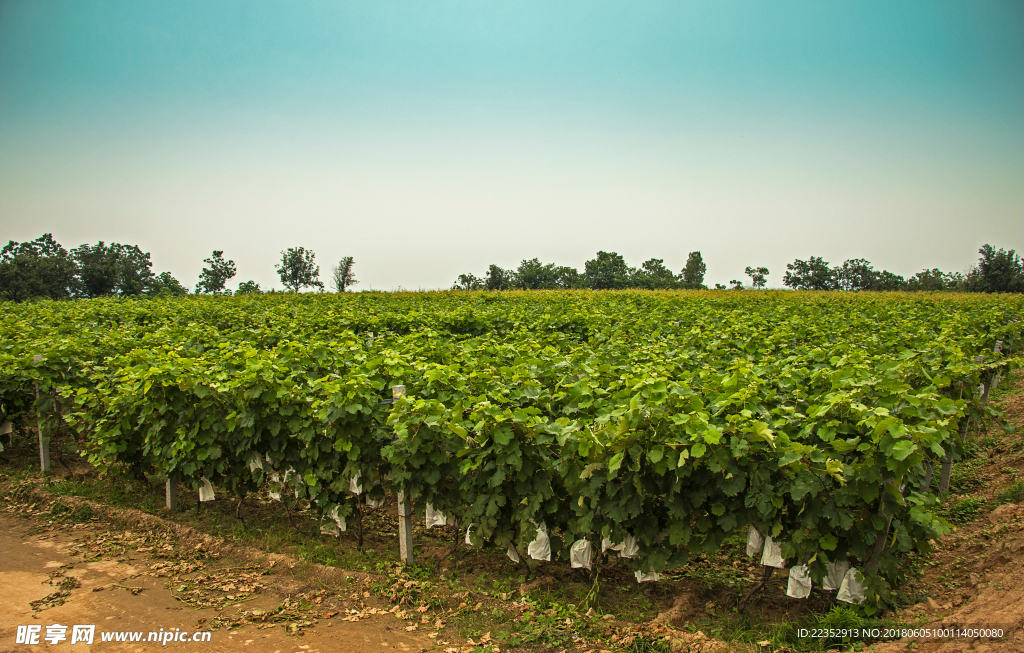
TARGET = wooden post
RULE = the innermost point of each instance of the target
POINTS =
(404, 507)
(44, 435)
(947, 462)
(171, 495)
(995, 380)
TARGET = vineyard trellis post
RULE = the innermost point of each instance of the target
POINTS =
(404, 506)
(44, 434)
(171, 495)
(987, 386)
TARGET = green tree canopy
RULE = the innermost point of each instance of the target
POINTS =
(758, 276)
(498, 278)
(115, 269)
(534, 275)
(654, 275)
(299, 270)
(997, 271)
(248, 288)
(468, 282)
(164, 284)
(342, 274)
(607, 271)
(693, 274)
(216, 274)
(934, 279)
(812, 274)
(37, 269)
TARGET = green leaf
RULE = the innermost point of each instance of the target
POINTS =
(616, 461)
(656, 454)
(902, 449)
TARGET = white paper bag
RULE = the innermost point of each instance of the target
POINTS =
(469, 531)
(755, 541)
(799, 582)
(275, 478)
(580, 554)
(836, 571)
(512, 554)
(852, 589)
(290, 475)
(206, 492)
(649, 577)
(540, 547)
(628, 548)
(772, 555)
(255, 463)
(434, 517)
(353, 485)
(333, 524)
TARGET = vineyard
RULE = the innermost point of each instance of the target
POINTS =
(557, 426)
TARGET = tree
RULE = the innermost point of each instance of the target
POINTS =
(216, 274)
(468, 282)
(934, 279)
(498, 278)
(298, 269)
(37, 269)
(135, 270)
(997, 271)
(342, 275)
(607, 271)
(855, 274)
(164, 285)
(736, 284)
(98, 270)
(534, 275)
(693, 273)
(654, 275)
(248, 288)
(758, 276)
(886, 280)
(813, 274)
(568, 278)
(115, 269)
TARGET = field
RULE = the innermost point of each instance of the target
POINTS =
(640, 435)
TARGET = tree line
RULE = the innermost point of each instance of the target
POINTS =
(607, 271)
(996, 271)
(43, 269)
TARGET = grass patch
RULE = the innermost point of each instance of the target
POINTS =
(1012, 494)
(1007, 385)
(964, 510)
(63, 514)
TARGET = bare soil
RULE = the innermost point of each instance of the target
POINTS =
(138, 580)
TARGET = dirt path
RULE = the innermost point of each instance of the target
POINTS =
(126, 595)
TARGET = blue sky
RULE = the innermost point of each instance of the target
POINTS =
(431, 139)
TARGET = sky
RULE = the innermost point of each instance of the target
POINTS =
(432, 139)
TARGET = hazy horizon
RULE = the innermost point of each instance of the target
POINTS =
(428, 141)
